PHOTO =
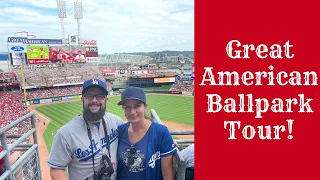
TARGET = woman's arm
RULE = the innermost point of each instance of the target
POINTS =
(167, 167)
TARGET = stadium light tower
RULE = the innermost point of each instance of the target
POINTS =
(61, 4)
(78, 14)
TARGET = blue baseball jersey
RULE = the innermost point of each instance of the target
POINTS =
(159, 144)
(133, 163)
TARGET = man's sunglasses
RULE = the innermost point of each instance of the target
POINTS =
(97, 96)
(131, 157)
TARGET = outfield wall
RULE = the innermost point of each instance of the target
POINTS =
(78, 96)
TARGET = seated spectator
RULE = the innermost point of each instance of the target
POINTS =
(188, 156)
(12, 158)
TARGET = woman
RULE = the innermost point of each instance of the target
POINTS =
(145, 147)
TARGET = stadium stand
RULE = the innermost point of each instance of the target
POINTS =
(44, 75)
(53, 92)
(12, 109)
(181, 87)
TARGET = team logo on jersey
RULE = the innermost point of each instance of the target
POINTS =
(137, 164)
(153, 159)
(94, 81)
(86, 154)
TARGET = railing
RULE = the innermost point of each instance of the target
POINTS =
(27, 166)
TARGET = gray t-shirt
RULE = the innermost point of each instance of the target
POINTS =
(71, 147)
(188, 155)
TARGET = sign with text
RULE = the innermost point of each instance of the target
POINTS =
(257, 95)
(38, 54)
(92, 51)
(24, 40)
(17, 54)
(90, 42)
(164, 80)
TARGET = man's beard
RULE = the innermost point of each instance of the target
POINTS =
(90, 116)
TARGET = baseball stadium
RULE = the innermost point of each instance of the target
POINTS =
(51, 93)
(41, 91)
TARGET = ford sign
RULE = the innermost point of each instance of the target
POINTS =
(17, 48)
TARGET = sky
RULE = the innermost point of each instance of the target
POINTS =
(117, 25)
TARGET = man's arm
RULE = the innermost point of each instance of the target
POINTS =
(59, 158)
(58, 174)
(167, 167)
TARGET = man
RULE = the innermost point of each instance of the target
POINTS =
(80, 57)
(71, 147)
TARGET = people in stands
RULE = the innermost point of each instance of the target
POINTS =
(188, 156)
(12, 158)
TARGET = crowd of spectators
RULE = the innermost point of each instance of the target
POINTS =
(12, 109)
(40, 93)
(53, 92)
(46, 75)
(181, 87)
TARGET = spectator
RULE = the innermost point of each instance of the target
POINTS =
(188, 156)
(12, 158)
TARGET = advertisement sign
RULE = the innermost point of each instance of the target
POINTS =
(38, 54)
(178, 78)
(164, 80)
(187, 93)
(17, 54)
(90, 42)
(9, 84)
(42, 101)
(62, 54)
(25, 40)
(77, 97)
(92, 51)
(92, 59)
(107, 70)
(56, 99)
(67, 98)
(36, 101)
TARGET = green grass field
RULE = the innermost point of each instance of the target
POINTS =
(172, 108)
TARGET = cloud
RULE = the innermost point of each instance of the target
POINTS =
(117, 25)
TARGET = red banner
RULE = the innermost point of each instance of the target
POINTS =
(38, 61)
(257, 96)
(9, 84)
(107, 70)
(10, 75)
